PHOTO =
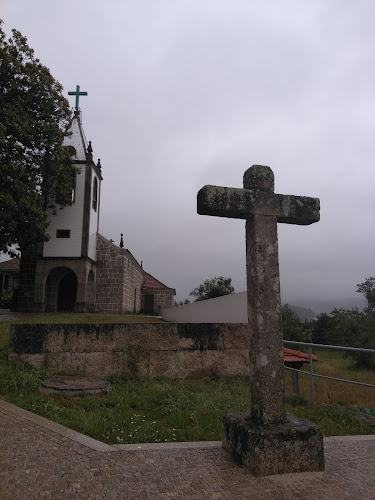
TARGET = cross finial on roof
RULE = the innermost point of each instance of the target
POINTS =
(77, 93)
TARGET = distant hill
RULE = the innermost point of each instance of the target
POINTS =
(318, 306)
(302, 312)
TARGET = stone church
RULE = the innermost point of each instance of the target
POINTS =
(78, 269)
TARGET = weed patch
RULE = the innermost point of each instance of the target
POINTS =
(156, 411)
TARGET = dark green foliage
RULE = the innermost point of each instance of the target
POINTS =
(322, 328)
(293, 400)
(357, 329)
(351, 328)
(215, 287)
(334, 419)
(35, 168)
(293, 327)
(181, 303)
(6, 301)
(367, 288)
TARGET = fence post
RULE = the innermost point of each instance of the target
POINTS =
(312, 390)
(295, 382)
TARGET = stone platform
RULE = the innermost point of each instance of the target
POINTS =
(70, 387)
(293, 446)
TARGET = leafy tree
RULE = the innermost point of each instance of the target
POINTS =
(356, 329)
(323, 328)
(215, 287)
(181, 303)
(367, 288)
(35, 168)
(293, 327)
(366, 340)
(351, 328)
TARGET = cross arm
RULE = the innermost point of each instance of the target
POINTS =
(302, 210)
(225, 202)
(242, 203)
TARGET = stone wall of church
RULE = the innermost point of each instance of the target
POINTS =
(163, 299)
(118, 281)
(132, 284)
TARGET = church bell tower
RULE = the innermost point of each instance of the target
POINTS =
(65, 270)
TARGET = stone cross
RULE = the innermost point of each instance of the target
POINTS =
(262, 209)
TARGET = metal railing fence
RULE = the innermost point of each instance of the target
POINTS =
(311, 373)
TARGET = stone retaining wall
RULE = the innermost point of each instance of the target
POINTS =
(134, 350)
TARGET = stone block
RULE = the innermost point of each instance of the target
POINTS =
(136, 364)
(103, 364)
(293, 446)
(232, 362)
(35, 360)
(67, 363)
(177, 364)
(236, 336)
(204, 336)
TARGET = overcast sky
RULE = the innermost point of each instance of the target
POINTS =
(187, 93)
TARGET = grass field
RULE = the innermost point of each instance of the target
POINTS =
(338, 365)
(183, 410)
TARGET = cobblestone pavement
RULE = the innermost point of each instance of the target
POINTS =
(43, 460)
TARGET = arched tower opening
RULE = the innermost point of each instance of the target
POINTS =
(61, 290)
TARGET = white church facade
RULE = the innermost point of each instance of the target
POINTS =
(78, 269)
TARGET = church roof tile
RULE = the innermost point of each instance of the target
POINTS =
(151, 283)
(12, 265)
(291, 355)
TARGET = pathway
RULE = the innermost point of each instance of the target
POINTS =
(43, 460)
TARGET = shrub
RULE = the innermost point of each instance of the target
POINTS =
(6, 301)
(293, 327)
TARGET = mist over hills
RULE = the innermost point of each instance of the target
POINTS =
(318, 306)
(302, 312)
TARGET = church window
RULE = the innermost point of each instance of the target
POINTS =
(95, 194)
(74, 189)
(72, 151)
(63, 233)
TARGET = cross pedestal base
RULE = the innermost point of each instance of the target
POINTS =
(293, 446)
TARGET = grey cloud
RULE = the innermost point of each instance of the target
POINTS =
(183, 94)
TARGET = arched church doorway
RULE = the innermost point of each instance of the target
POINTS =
(67, 293)
(61, 290)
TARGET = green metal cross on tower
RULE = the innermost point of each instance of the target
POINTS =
(77, 93)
